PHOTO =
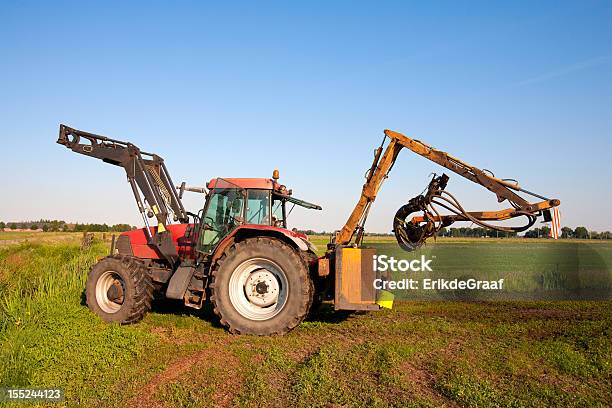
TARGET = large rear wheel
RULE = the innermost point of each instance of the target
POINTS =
(119, 290)
(261, 286)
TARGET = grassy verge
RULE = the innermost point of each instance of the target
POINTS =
(47, 337)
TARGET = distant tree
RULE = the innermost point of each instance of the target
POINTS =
(45, 227)
(56, 225)
(120, 227)
(543, 232)
(566, 232)
(581, 233)
(13, 226)
(2, 226)
(33, 227)
(101, 227)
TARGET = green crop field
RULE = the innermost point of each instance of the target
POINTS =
(532, 269)
(422, 353)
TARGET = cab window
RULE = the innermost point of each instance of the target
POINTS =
(258, 207)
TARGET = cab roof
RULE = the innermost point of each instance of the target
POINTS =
(259, 183)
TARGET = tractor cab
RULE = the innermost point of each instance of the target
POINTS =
(231, 203)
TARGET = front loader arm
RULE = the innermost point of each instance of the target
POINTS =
(411, 234)
(147, 175)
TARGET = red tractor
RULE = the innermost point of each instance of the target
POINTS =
(238, 252)
(258, 272)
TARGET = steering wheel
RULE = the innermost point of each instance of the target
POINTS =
(195, 217)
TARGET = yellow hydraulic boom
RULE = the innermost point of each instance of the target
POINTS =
(412, 233)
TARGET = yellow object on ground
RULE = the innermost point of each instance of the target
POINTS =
(385, 299)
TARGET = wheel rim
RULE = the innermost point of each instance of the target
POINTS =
(258, 289)
(110, 290)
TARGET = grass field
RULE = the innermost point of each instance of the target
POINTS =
(15, 237)
(502, 353)
(538, 269)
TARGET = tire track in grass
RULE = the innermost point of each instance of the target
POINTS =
(423, 383)
(217, 355)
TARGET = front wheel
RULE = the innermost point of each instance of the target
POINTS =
(119, 290)
(261, 286)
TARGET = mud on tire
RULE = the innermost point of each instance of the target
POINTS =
(261, 286)
(119, 289)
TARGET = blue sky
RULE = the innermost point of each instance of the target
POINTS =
(236, 90)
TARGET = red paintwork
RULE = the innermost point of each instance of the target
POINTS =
(268, 228)
(141, 249)
(258, 183)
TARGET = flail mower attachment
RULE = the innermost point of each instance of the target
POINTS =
(409, 235)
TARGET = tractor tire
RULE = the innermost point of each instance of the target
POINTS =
(119, 290)
(261, 286)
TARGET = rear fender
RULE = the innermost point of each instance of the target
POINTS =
(295, 239)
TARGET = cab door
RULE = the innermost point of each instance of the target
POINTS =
(224, 212)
